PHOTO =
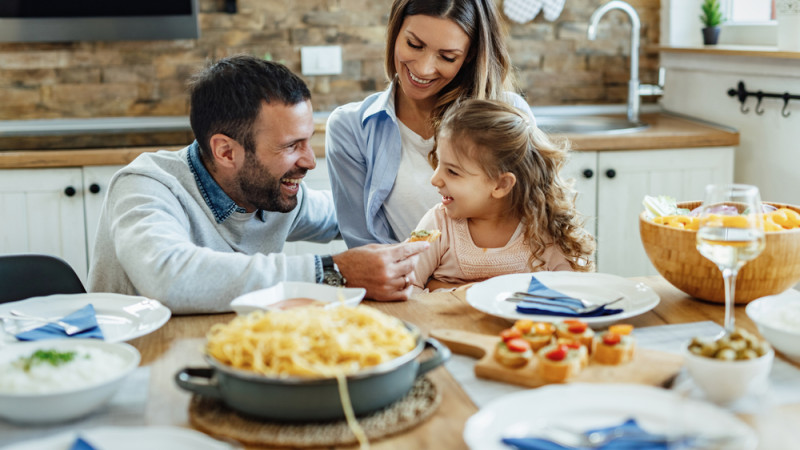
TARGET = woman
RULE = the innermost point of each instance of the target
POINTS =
(437, 51)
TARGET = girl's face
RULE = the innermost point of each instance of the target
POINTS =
(467, 192)
(428, 54)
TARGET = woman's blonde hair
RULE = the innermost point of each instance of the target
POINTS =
(501, 138)
(486, 71)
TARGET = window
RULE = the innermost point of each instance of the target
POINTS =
(749, 11)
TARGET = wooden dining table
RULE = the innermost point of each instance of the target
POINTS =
(179, 343)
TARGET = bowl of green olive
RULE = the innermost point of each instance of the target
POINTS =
(727, 368)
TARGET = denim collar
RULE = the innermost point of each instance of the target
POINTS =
(221, 205)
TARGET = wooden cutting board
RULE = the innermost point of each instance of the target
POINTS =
(650, 367)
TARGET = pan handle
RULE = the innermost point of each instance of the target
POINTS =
(189, 377)
(441, 354)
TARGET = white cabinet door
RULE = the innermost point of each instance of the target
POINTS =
(625, 177)
(316, 179)
(42, 212)
(96, 179)
(582, 168)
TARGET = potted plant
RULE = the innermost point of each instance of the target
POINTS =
(711, 18)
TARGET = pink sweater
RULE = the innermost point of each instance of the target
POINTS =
(454, 258)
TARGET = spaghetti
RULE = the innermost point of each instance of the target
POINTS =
(310, 342)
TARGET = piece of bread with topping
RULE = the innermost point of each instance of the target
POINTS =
(560, 362)
(424, 235)
(615, 346)
(578, 331)
(512, 351)
(538, 334)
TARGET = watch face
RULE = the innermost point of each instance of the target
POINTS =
(333, 278)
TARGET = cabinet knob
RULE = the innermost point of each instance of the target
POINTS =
(69, 191)
(611, 173)
(588, 173)
(94, 188)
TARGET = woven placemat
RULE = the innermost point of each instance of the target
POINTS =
(212, 416)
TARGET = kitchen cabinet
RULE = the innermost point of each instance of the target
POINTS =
(53, 211)
(316, 179)
(612, 184)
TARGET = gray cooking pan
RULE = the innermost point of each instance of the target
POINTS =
(304, 399)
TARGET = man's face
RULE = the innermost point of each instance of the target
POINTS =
(270, 177)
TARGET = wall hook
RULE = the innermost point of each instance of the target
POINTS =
(741, 93)
(786, 98)
(759, 109)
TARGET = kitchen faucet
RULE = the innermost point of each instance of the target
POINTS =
(634, 89)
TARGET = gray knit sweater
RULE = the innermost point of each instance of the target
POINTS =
(158, 237)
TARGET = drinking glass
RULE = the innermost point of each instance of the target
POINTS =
(730, 233)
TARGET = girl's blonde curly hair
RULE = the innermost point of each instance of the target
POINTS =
(501, 138)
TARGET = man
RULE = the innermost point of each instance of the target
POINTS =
(198, 227)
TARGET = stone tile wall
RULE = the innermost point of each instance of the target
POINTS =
(555, 62)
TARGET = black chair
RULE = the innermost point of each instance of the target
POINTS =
(32, 275)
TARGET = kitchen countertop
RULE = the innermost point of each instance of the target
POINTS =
(66, 144)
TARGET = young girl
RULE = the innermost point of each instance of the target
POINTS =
(505, 208)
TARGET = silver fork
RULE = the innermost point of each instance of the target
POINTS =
(599, 438)
(555, 302)
(68, 328)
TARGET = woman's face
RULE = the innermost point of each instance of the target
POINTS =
(428, 54)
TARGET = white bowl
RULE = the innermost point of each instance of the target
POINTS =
(264, 299)
(70, 402)
(778, 320)
(726, 381)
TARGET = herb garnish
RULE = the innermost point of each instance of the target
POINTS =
(51, 356)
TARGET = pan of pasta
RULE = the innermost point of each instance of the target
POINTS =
(312, 364)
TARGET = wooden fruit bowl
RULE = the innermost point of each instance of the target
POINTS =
(674, 254)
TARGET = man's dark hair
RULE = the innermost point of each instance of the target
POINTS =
(226, 97)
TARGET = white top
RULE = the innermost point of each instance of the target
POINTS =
(413, 194)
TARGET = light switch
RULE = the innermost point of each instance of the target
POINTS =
(321, 60)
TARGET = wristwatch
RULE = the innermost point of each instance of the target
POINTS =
(330, 272)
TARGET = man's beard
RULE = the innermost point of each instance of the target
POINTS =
(263, 190)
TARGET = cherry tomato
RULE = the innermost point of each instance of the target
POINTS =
(577, 327)
(621, 328)
(510, 333)
(557, 354)
(523, 325)
(518, 345)
(611, 338)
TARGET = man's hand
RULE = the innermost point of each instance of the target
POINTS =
(386, 271)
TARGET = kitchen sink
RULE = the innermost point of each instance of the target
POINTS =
(578, 124)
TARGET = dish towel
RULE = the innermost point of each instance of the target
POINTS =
(556, 303)
(629, 436)
(552, 9)
(522, 11)
(84, 318)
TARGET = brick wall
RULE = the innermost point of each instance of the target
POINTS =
(555, 62)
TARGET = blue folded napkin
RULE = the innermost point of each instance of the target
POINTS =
(83, 318)
(634, 438)
(81, 444)
(556, 302)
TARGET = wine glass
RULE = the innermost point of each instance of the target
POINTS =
(730, 233)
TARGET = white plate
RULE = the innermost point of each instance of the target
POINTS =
(121, 317)
(584, 406)
(264, 298)
(128, 438)
(489, 296)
